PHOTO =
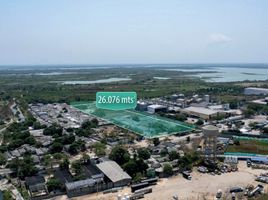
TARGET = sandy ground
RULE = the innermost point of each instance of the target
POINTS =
(201, 185)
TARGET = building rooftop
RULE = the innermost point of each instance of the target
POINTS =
(155, 106)
(210, 127)
(33, 180)
(80, 184)
(201, 110)
(113, 171)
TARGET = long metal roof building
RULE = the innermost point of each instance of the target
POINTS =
(114, 172)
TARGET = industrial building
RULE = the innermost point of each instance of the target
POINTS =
(142, 106)
(156, 108)
(114, 173)
(256, 91)
(100, 174)
(201, 112)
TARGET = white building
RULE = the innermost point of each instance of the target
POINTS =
(204, 113)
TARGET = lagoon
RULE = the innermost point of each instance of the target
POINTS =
(108, 80)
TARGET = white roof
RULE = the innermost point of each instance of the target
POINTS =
(154, 106)
(113, 171)
(201, 110)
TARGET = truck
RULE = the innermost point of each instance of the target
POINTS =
(256, 190)
(186, 175)
(236, 189)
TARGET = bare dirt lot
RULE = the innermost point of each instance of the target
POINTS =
(201, 185)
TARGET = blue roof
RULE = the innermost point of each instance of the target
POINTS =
(260, 159)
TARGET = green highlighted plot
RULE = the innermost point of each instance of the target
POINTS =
(139, 122)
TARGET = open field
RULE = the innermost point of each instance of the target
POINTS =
(139, 122)
(250, 146)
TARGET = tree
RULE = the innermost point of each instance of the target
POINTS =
(163, 152)
(59, 156)
(24, 167)
(167, 169)
(95, 121)
(85, 157)
(120, 155)
(181, 117)
(138, 177)
(56, 147)
(186, 162)
(64, 164)
(236, 142)
(156, 141)
(7, 195)
(68, 139)
(130, 167)
(188, 139)
(143, 153)
(3, 159)
(47, 159)
(99, 149)
(77, 167)
(53, 130)
(54, 184)
(173, 155)
(249, 112)
(199, 122)
(265, 130)
(133, 167)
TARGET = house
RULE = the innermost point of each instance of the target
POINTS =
(36, 185)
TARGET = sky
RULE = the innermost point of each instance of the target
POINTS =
(133, 31)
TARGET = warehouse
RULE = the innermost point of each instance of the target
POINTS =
(156, 108)
(142, 106)
(200, 112)
(114, 173)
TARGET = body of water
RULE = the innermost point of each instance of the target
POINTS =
(228, 74)
(207, 72)
(108, 80)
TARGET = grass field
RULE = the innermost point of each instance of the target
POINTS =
(250, 146)
(139, 122)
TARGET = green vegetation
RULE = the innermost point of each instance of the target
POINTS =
(120, 155)
(249, 146)
(16, 135)
(77, 168)
(54, 184)
(167, 169)
(143, 153)
(7, 195)
(24, 167)
(173, 155)
(189, 160)
(135, 168)
(3, 159)
(99, 149)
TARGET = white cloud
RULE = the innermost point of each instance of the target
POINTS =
(219, 38)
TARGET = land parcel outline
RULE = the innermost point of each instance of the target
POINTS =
(142, 123)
